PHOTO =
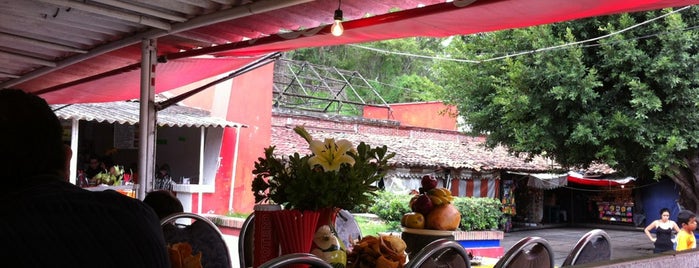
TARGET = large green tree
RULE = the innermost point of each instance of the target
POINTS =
(629, 99)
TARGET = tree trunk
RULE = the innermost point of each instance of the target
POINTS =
(687, 178)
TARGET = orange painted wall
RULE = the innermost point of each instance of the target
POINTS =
(202, 100)
(248, 103)
(435, 115)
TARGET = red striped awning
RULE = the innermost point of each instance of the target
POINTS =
(475, 187)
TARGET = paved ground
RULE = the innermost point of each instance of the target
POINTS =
(232, 242)
(625, 243)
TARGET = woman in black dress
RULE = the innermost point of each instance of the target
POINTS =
(663, 232)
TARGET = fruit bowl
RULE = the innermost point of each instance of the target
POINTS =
(416, 239)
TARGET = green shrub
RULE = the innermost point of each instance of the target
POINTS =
(390, 207)
(479, 213)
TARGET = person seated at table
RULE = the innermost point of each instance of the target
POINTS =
(163, 202)
(94, 167)
(49, 222)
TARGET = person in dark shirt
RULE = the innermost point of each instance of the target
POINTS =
(94, 167)
(47, 221)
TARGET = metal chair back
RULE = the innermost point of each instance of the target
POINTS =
(245, 241)
(441, 253)
(529, 252)
(202, 234)
(593, 246)
(347, 228)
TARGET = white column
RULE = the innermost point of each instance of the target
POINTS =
(74, 128)
(147, 119)
(200, 196)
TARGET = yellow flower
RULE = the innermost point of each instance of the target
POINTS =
(330, 154)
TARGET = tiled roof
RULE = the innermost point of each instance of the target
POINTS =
(461, 152)
(127, 112)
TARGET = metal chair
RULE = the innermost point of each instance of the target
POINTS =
(347, 228)
(245, 242)
(534, 252)
(202, 234)
(295, 258)
(441, 253)
(594, 246)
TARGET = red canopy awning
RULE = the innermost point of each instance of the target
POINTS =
(125, 85)
(578, 178)
(459, 17)
(446, 19)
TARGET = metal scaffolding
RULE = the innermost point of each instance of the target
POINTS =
(305, 86)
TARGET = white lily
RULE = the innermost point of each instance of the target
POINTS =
(330, 154)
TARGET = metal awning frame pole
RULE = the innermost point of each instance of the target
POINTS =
(147, 118)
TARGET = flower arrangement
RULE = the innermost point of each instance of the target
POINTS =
(334, 175)
(113, 176)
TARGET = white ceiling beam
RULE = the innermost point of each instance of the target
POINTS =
(3, 74)
(31, 41)
(28, 59)
(140, 9)
(112, 13)
(224, 15)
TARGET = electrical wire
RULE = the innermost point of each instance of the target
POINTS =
(551, 48)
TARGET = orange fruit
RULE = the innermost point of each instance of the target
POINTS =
(444, 217)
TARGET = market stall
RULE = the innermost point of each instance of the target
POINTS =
(188, 139)
(534, 196)
(610, 199)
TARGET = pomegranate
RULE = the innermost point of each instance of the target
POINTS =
(422, 204)
(428, 183)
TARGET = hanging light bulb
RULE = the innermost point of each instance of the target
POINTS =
(337, 28)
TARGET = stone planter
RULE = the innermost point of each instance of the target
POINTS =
(227, 225)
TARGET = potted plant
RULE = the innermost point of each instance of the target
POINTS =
(334, 176)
